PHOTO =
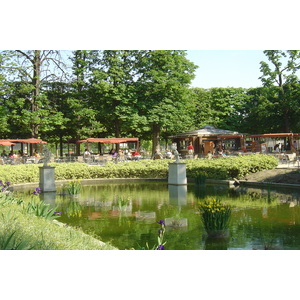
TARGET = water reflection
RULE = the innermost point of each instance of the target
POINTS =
(49, 198)
(126, 215)
(177, 194)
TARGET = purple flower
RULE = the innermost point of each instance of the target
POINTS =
(58, 213)
(7, 183)
(161, 247)
(160, 232)
(37, 191)
(161, 222)
(1, 182)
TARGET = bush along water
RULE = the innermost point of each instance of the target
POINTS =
(215, 216)
(219, 168)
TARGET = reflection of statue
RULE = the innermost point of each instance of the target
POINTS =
(47, 156)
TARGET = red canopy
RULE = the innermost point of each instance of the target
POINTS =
(274, 135)
(29, 141)
(108, 140)
(6, 143)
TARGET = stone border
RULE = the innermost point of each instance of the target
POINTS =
(191, 180)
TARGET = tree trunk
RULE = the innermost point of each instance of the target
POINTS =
(36, 80)
(155, 138)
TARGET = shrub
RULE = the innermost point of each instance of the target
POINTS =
(219, 168)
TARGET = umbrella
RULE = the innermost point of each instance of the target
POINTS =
(29, 141)
(6, 143)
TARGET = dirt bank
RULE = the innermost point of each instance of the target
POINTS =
(291, 176)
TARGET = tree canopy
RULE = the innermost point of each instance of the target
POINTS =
(137, 93)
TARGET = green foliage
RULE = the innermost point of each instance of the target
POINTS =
(215, 215)
(40, 209)
(219, 168)
(9, 242)
(72, 187)
(230, 167)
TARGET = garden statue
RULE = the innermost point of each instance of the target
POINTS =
(175, 152)
(177, 170)
(47, 156)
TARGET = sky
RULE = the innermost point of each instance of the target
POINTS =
(227, 68)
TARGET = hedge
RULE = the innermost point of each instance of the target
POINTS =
(218, 168)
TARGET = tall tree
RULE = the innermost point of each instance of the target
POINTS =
(113, 91)
(33, 68)
(163, 90)
(285, 64)
(4, 112)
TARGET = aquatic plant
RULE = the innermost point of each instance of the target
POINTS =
(122, 202)
(161, 234)
(73, 187)
(215, 215)
(73, 209)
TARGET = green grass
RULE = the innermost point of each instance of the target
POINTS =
(22, 230)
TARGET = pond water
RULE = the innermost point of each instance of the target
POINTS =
(126, 215)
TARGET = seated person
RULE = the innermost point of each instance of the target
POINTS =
(169, 154)
(86, 153)
(4, 154)
(136, 155)
(157, 155)
(209, 155)
(11, 154)
(221, 153)
(36, 154)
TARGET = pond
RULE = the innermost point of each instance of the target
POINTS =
(126, 215)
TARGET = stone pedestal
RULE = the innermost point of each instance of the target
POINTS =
(177, 174)
(47, 182)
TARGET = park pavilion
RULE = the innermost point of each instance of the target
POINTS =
(207, 138)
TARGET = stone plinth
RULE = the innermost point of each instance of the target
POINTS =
(177, 174)
(47, 182)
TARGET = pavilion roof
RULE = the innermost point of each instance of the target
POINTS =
(207, 131)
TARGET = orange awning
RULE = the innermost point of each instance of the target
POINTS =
(230, 136)
(108, 140)
(274, 135)
(6, 143)
(29, 141)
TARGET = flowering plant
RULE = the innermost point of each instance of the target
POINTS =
(4, 186)
(37, 191)
(160, 239)
(215, 215)
(161, 233)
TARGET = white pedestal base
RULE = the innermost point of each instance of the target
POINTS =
(177, 174)
(47, 182)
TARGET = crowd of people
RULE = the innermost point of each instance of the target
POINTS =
(17, 157)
